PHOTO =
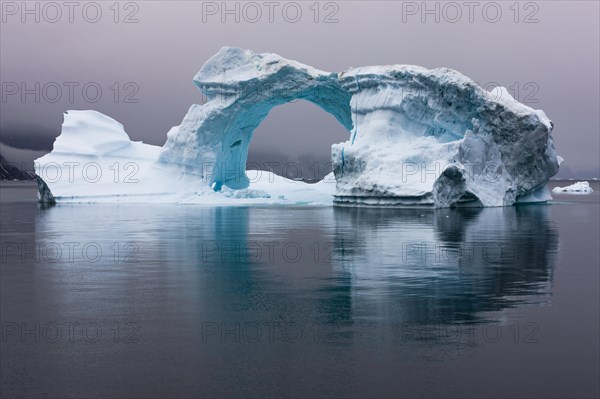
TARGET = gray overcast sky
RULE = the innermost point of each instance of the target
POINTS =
(546, 52)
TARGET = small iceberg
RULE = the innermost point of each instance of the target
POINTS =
(579, 187)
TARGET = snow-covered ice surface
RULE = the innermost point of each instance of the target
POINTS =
(581, 187)
(416, 137)
(94, 160)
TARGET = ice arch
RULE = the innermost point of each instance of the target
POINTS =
(242, 87)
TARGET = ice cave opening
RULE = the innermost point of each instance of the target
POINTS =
(294, 141)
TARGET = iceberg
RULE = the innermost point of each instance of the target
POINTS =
(578, 188)
(415, 137)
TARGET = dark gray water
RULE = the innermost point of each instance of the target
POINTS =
(190, 301)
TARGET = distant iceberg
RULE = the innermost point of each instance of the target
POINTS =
(415, 137)
(579, 187)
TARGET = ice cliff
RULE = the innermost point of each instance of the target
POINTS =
(435, 137)
(416, 137)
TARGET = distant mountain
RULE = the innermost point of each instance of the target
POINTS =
(9, 171)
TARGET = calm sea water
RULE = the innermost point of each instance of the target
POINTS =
(191, 301)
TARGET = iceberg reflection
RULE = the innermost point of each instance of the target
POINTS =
(307, 264)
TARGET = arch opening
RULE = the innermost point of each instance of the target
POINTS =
(294, 141)
(243, 117)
